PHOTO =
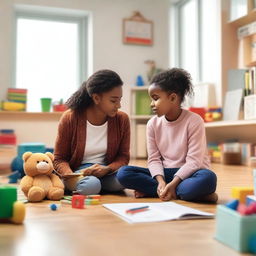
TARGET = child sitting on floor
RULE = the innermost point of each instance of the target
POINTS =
(178, 163)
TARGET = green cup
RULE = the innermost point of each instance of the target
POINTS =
(46, 104)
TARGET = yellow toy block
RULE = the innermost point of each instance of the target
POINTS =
(240, 193)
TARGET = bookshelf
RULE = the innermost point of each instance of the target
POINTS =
(235, 54)
(140, 113)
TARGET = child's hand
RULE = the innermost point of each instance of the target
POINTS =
(96, 170)
(161, 184)
(170, 190)
(160, 188)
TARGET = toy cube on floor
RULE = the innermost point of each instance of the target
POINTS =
(78, 201)
(250, 199)
(240, 193)
(234, 229)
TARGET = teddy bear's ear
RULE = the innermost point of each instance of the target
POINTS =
(26, 156)
(50, 155)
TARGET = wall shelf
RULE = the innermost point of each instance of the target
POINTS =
(249, 18)
(25, 114)
(230, 123)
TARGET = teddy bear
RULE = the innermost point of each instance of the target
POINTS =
(40, 182)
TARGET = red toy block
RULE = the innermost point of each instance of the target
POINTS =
(78, 201)
(242, 209)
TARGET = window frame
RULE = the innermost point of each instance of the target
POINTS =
(176, 38)
(81, 19)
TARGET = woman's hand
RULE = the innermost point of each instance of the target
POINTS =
(169, 191)
(96, 170)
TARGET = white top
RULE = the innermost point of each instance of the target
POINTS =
(96, 143)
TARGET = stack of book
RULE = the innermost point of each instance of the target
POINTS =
(16, 100)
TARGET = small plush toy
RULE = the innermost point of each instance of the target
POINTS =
(39, 182)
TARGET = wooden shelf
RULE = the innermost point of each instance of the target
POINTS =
(24, 113)
(230, 123)
(249, 18)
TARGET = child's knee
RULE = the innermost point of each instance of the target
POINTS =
(211, 179)
(89, 185)
(122, 174)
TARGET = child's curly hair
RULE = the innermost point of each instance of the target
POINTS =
(175, 80)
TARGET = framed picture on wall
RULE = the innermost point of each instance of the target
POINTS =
(137, 30)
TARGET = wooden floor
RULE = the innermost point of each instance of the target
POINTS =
(96, 231)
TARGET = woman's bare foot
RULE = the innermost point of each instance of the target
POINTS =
(138, 194)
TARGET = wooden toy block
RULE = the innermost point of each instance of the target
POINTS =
(240, 193)
(78, 201)
(8, 195)
(234, 229)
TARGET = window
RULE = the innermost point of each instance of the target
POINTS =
(195, 38)
(50, 56)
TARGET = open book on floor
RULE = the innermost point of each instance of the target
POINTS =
(153, 212)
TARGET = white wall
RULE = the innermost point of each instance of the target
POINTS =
(108, 49)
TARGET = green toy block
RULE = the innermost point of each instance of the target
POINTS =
(234, 229)
(8, 195)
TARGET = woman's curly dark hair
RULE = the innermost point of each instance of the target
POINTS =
(175, 80)
(100, 82)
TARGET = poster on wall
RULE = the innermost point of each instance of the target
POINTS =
(137, 30)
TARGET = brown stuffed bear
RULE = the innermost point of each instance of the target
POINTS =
(39, 182)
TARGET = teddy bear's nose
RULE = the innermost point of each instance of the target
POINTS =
(42, 166)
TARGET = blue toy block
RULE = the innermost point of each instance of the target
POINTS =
(32, 147)
(233, 204)
(234, 229)
(17, 162)
(250, 199)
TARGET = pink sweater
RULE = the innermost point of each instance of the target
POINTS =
(177, 144)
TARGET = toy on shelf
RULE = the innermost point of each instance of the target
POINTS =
(59, 106)
(16, 100)
(10, 209)
(199, 111)
(152, 69)
(40, 182)
(213, 114)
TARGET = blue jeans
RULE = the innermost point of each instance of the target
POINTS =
(90, 185)
(200, 183)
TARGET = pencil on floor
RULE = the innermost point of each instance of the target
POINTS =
(137, 209)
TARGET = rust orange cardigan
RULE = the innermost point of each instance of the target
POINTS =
(71, 141)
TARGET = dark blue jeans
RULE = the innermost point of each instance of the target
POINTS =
(200, 183)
